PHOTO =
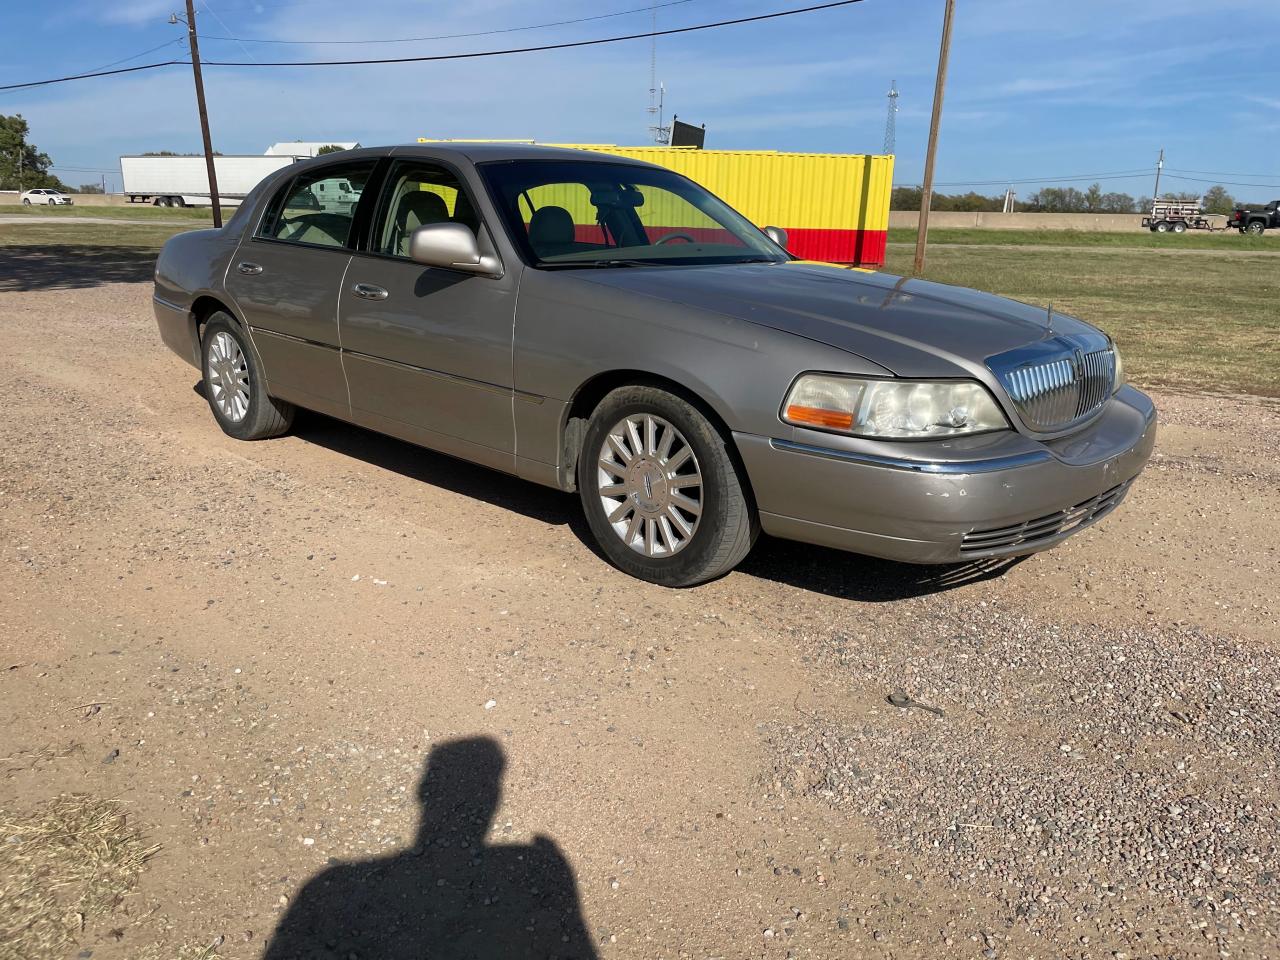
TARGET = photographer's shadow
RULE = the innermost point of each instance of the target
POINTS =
(452, 895)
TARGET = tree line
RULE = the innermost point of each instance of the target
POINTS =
(1059, 200)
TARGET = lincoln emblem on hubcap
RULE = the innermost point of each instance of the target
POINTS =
(650, 485)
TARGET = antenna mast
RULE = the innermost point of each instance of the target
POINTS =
(891, 121)
(657, 91)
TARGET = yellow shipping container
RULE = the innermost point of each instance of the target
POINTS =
(834, 206)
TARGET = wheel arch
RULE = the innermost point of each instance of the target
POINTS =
(588, 396)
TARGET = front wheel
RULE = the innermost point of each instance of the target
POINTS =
(234, 387)
(662, 495)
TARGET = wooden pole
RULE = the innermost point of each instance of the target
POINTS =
(204, 113)
(926, 198)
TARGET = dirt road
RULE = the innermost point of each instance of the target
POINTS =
(255, 648)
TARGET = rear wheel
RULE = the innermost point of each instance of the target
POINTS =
(660, 490)
(26, 201)
(234, 387)
(1162, 227)
(1257, 228)
(1179, 227)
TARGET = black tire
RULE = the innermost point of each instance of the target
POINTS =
(26, 201)
(725, 529)
(1179, 227)
(1257, 228)
(1162, 227)
(264, 416)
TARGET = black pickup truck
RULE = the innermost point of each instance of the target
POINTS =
(1256, 221)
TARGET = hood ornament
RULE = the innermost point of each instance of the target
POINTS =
(1048, 318)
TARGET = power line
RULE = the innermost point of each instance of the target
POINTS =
(1118, 175)
(457, 36)
(86, 76)
(1223, 183)
(447, 56)
(549, 46)
(1215, 173)
(222, 23)
(161, 46)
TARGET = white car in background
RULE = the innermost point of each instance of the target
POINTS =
(46, 196)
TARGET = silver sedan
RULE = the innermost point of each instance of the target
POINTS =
(609, 327)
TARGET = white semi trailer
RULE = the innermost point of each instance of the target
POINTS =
(184, 181)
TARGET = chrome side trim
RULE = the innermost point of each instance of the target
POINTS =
(916, 466)
(429, 372)
(156, 298)
(288, 336)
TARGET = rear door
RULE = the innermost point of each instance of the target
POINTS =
(286, 280)
(427, 350)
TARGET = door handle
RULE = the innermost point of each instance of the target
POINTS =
(369, 291)
(249, 269)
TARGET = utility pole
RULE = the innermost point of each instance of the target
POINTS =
(1159, 167)
(926, 198)
(204, 113)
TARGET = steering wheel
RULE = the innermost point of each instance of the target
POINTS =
(674, 236)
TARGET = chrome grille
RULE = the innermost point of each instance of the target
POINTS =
(1034, 532)
(1058, 382)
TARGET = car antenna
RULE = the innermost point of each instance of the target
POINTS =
(1048, 318)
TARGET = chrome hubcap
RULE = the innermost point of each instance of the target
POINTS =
(227, 374)
(650, 485)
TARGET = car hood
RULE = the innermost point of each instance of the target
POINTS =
(913, 328)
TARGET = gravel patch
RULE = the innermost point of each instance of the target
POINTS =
(1124, 775)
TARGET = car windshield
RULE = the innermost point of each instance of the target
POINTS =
(588, 213)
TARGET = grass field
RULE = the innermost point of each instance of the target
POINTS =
(1194, 312)
(1202, 319)
(1228, 242)
(133, 211)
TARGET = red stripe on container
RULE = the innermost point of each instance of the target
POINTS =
(857, 248)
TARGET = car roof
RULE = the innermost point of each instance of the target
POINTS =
(468, 150)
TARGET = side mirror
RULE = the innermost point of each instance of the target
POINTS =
(453, 246)
(777, 235)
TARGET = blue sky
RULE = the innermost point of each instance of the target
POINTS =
(1036, 88)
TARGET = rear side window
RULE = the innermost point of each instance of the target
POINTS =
(317, 208)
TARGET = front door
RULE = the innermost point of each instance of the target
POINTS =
(286, 281)
(427, 350)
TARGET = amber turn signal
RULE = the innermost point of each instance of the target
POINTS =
(818, 417)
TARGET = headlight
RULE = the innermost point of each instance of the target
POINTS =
(1115, 352)
(892, 409)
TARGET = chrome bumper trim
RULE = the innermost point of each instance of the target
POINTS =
(917, 466)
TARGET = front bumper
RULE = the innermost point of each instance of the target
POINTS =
(991, 496)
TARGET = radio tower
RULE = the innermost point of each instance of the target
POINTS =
(891, 120)
(657, 93)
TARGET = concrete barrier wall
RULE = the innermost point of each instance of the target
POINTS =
(1092, 222)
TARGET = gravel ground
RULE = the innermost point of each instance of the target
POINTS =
(271, 656)
(1081, 775)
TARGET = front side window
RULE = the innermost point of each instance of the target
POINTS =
(418, 193)
(318, 207)
(568, 213)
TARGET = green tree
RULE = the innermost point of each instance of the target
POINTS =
(1057, 200)
(89, 188)
(1117, 203)
(1217, 200)
(329, 148)
(22, 165)
(1093, 198)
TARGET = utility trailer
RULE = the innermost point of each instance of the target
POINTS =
(184, 181)
(1179, 216)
